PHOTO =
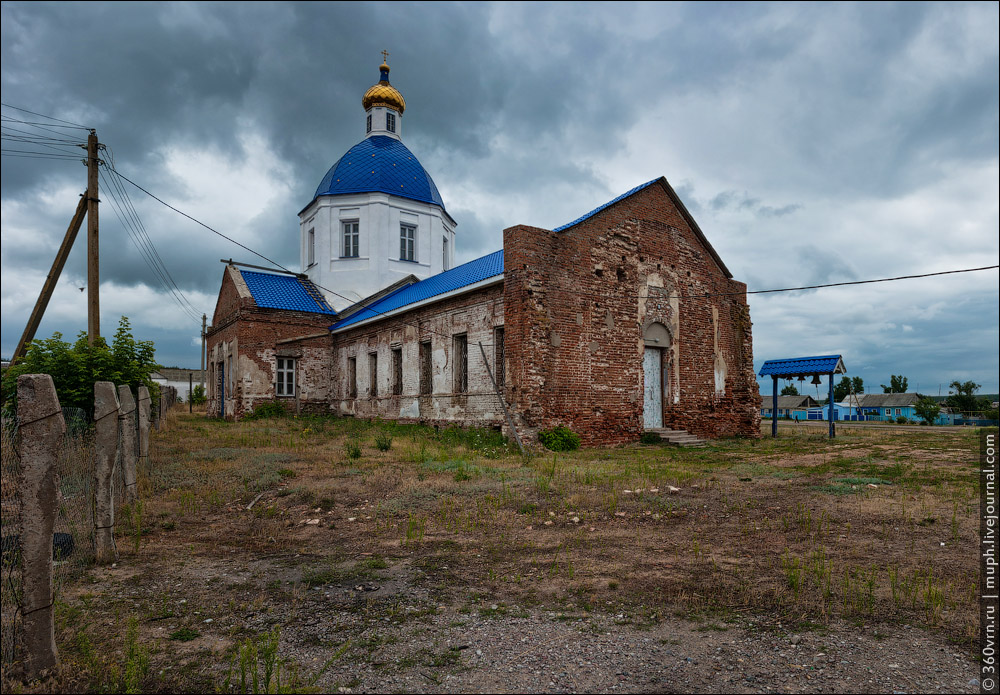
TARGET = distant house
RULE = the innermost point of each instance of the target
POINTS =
(875, 407)
(791, 407)
(179, 379)
(889, 406)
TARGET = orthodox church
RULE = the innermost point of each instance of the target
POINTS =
(620, 321)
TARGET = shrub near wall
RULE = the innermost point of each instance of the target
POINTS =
(559, 439)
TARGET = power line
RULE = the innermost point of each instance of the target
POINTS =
(577, 293)
(145, 235)
(132, 224)
(42, 115)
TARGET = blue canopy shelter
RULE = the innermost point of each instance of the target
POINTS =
(802, 367)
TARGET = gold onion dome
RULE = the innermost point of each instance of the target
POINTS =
(383, 93)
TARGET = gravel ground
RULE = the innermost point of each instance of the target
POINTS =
(539, 651)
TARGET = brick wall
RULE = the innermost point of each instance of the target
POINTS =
(475, 315)
(577, 303)
(250, 339)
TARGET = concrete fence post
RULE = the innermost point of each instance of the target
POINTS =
(144, 428)
(106, 409)
(126, 417)
(41, 429)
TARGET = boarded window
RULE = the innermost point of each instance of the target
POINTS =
(373, 375)
(352, 377)
(461, 354)
(426, 374)
(285, 377)
(397, 371)
(499, 370)
(311, 254)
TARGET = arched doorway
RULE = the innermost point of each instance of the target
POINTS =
(656, 384)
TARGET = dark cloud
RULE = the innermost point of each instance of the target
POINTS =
(786, 128)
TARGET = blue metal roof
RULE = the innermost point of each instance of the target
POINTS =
(824, 364)
(593, 212)
(285, 292)
(380, 164)
(458, 277)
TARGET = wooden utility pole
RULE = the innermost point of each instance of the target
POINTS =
(51, 279)
(204, 319)
(93, 243)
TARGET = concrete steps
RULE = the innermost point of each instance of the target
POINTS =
(678, 437)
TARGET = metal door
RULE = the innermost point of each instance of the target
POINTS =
(652, 370)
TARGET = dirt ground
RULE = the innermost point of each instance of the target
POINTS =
(449, 563)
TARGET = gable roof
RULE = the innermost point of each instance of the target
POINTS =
(887, 400)
(465, 275)
(825, 364)
(672, 194)
(288, 292)
(805, 401)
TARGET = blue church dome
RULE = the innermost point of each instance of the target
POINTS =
(380, 164)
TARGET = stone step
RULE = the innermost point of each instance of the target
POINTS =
(678, 437)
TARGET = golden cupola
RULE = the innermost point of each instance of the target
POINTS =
(383, 93)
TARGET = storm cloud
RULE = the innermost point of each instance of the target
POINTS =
(813, 142)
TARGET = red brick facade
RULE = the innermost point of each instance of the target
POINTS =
(243, 344)
(579, 309)
(578, 301)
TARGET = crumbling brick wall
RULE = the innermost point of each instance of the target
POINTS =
(475, 315)
(576, 303)
(247, 339)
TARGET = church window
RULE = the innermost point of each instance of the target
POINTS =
(350, 239)
(426, 379)
(373, 375)
(444, 253)
(390, 122)
(407, 235)
(397, 371)
(285, 373)
(352, 377)
(499, 371)
(368, 127)
(461, 361)
(311, 247)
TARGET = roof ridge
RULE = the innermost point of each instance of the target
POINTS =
(596, 210)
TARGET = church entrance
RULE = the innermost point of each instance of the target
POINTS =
(652, 370)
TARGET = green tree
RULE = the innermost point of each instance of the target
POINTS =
(858, 384)
(842, 389)
(789, 390)
(963, 396)
(75, 368)
(897, 384)
(927, 409)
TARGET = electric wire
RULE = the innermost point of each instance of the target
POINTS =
(42, 115)
(639, 296)
(144, 235)
(130, 223)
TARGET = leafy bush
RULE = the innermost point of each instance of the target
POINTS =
(650, 438)
(198, 396)
(559, 438)
(267, 410)
(901, 420)
(353, 450)
(76, 368)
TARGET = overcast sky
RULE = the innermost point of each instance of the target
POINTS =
(813, 143)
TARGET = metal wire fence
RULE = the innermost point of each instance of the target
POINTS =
(73, 531)
(10, 504)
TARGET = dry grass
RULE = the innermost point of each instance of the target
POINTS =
(874, 526)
